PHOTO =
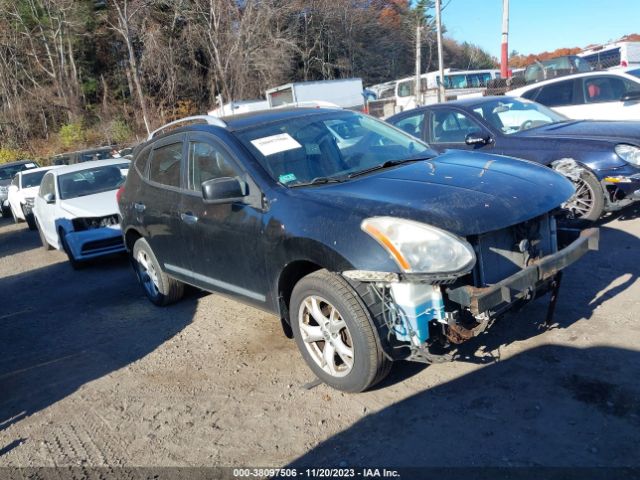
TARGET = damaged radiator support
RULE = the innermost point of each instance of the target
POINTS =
(407, 314)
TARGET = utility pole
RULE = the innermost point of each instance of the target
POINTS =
(441, 94)
(504, 60)
(416, 88)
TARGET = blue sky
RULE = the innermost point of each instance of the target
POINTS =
(541, 25)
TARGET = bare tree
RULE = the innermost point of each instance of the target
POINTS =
(128, 15)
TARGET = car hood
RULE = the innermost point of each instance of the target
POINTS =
(462, 192)
(614, 131)
(97, 205)
(29, 192)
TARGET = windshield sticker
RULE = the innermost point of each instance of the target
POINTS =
(275, 144)
(30, 165)
(287, 177)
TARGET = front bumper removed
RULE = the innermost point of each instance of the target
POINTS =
(526, 281)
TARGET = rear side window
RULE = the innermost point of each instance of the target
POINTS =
(556, 94)
(141, 161)
(165, 165)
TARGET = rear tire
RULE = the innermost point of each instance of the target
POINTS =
(334, 333)
(43, 239)
(6, 211)
(159, 288)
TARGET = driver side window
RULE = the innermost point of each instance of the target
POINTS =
(449, 126)
(206, 161)
(412, 124)
(47, 185)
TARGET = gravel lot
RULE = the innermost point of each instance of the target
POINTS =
(92, 374)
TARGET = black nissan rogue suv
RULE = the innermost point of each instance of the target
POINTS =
(365, 242)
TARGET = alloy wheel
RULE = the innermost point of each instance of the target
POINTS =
(147, 273)
(583, 200)
(326, 336)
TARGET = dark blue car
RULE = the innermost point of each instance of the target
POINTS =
(367, 244)
(602, 158)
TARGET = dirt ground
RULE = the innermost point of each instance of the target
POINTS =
(92, 374)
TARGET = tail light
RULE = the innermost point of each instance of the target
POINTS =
(119, 193)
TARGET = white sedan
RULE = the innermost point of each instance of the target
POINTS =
(22, 193)
(605, 95)
(76, 209)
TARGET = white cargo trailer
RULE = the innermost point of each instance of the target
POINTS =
(612, 55)
(345, 93)
(240, 106)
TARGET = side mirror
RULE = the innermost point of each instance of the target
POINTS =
(224, 190)
(49, 198)
(631, 96)
(477, 138)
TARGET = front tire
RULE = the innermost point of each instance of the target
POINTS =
(160, 289)
(43, 239)
(334, 333)
(588, 201)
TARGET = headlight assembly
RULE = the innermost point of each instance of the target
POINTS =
(629, 153)
(420, 248)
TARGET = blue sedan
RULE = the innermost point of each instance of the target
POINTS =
(601, 158)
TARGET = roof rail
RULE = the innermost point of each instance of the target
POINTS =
(208, 119)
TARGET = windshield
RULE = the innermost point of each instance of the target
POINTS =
(7, 173)
(635, 73)
(334, 145)
(91, 181)
(468, 80)
(510, 115)
(32, 179)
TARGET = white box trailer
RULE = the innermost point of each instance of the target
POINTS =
(345, 93)
(240, 106)
(612, 55)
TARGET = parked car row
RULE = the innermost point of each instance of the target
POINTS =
(7, 173)
(22, 194)
(371, 241)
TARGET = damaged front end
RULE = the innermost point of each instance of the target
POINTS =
(418, 314)
(89, 223)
